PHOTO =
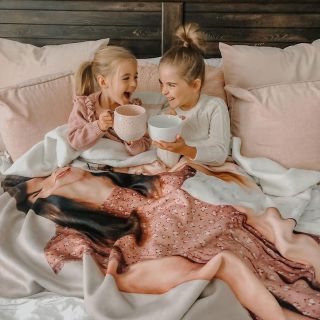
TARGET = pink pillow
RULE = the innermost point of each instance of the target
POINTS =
(148, 77)
(2, 147)
(28, 111)
(21, 62)
(274, 99)
(148, 80)
(280, 122)
(214, 83)
(250, 67)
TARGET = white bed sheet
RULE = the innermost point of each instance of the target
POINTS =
(43, 306)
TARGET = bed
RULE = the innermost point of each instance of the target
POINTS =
(273, 97)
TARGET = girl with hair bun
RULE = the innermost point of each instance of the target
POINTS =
(205, 136)
(103, 84)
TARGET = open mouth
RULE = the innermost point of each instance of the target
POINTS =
(127, 95)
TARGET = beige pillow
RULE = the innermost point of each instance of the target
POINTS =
(274, 99)
(277, 123)
(2, 147)
(28, 111)
(148, 79)
(214, 83)
(250, 67)
(20, 62)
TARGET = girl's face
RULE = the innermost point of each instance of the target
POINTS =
(122, 83)
(178, 92)
(56, 184)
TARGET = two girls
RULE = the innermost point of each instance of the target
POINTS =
(205, 135)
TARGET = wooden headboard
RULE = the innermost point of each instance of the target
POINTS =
(146, 27)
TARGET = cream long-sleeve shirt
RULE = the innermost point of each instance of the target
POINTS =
(207, 128)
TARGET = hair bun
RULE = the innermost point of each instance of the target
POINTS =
(185, 44)
(190, 35)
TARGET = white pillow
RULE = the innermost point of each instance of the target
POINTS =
(21, 62)
(149, 60)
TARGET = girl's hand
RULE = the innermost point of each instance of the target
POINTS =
(136, 101)
(179, 146)
(171, 112)
(105, 120)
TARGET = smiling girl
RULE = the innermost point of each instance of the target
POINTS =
(114, 71)
(205, 135)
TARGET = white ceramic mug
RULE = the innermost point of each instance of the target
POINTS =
(164, 127)
(130, 122)
(169, 158)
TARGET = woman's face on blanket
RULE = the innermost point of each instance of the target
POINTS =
(122, 83)
(60, 182)
(178, 92)
(78, 185)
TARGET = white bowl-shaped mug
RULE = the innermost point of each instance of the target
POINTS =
(164, 127)
(130, 122)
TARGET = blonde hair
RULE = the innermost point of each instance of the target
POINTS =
(103, 63)
(187, 53)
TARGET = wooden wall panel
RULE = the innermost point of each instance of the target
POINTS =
(135, 25)
(146, 27)
(271, 23)
(172, 17)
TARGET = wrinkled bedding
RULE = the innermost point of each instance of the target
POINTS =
(24, 270)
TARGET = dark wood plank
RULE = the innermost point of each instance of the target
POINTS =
(172, 17)
(249, 1)
(80, 32)
(80, 5)
(211, 19)
(236, 7)
(34, 4)
(141, 48)
(80, 17)
(262, 34)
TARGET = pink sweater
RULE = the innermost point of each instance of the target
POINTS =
(84, 130)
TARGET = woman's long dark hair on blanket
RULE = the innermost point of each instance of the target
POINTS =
(98, 225)
(17, 188)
